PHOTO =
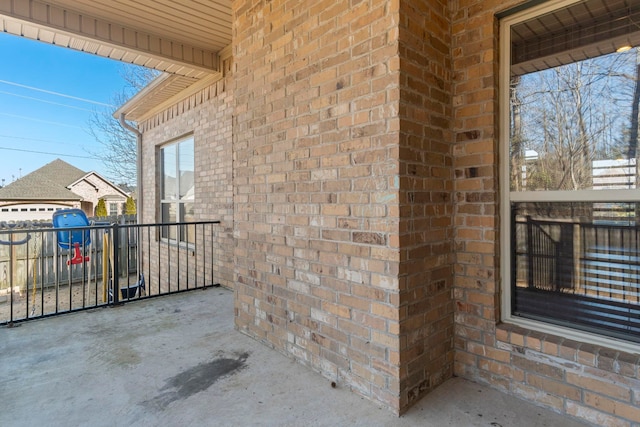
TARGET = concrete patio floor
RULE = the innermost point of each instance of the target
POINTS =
(177, 361)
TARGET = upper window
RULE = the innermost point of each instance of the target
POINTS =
(177, 190)
(571, 81)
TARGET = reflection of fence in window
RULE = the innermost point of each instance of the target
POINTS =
(598, 260)
(547, 256)
(610, 262)
(578, 272)
(616, 174)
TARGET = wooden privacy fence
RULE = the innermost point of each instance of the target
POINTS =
(34, 257)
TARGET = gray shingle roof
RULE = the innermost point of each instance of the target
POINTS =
(47, 183)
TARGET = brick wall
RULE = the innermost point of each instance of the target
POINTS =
(365, 195)
(596, 384)
(316, 140)
(207, 115)
(426, 210)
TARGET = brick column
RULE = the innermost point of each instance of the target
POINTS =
(342, 181)
(426, 227)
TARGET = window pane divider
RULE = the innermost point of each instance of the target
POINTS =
(631, 195)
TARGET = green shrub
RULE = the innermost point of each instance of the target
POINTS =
(101, 208)
(130, 206)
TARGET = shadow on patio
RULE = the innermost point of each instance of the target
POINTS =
(177, 360)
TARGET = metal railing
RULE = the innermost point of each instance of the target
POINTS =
(116, 263)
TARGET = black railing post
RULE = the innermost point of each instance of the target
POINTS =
(125, 249)
(115, 247)
(530, 253)
(11, 261)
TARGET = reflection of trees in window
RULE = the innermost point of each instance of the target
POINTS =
(570, 116)
(517, 149)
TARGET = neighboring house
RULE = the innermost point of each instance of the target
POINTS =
(58, 185)
(365, 161)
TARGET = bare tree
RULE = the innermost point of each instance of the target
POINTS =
(118, 146)
(516, 135)
(567, 115)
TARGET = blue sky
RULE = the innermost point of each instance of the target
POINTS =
(34, 114)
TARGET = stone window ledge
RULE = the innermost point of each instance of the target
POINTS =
(520, 339)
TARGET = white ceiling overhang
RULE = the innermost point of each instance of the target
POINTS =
(182, 38)
(178, 37)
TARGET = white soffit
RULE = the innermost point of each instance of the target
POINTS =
(156, 94)
(178, 37)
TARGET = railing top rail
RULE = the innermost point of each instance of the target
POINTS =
(98, 226)
(172, 224)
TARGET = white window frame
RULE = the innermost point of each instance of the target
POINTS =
(506, 196)
(178, 201)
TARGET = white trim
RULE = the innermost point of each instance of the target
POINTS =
(541, 9)
(504, 127)
(631, 195)
(507, 196)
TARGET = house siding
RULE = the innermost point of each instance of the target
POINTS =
(19, 211)
(92, 189)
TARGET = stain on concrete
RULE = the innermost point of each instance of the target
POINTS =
(108, 353)
(125, 356)
(197, 379)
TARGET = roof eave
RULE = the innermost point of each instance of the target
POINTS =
(42, 199)
(167, 89)
(139, 97)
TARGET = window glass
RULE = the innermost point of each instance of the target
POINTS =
(186, 169)
(177, 189)
(169, 217)
(187, 232)
(570, 140)
(169, 175)
(570, 126)
(577, 266)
